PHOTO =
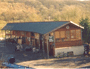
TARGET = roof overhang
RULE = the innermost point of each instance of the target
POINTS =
(64, 25)
(14, 26)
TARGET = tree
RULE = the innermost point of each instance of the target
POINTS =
(72, 13)
(86, 31)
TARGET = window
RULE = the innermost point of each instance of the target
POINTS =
(62, 34)
(51, 34)
(32, 34)
(17, 36)
(78, 34)
(72, 34)
(57, 34)
(22, 33)
(11, 32)
(14, 32)
(36, 36)
(7, 32)
(7, 36)
(13, 36)
(68, 34)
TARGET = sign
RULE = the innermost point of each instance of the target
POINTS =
(51, 38)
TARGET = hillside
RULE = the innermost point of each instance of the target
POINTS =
(39, 10)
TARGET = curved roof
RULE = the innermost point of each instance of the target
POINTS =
(38, 27)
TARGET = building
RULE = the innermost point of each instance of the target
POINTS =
(53, 37)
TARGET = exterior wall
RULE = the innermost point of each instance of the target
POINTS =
(68, 43)
(65, 40)
(28, 34)
(77, 50)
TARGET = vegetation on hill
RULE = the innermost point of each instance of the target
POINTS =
(42, 10)
(39, 10)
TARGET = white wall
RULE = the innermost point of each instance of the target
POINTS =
(77, 50)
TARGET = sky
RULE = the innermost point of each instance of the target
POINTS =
(83, 0)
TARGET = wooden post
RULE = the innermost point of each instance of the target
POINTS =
(10, 35)
(29, 38)
(25, 37)
(81, 33)
(54, 40)
(34, 39)
(43, 44)
(20, 34)
(39, 41)
(15, 33)
(5, 38)
(54, 43)
(47, 47)
(5, 35)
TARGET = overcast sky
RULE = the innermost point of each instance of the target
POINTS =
(83, 0)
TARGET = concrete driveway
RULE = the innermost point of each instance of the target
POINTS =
(35, 60)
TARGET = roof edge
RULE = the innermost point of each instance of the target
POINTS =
(58, 27)
(36, 22)
(76, 24)
(64, 25)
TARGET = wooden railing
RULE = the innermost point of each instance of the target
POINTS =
(68, 43)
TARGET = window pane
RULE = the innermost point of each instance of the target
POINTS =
(7, 32)
(57, 34)
(72, 33)
(32, 34)
(51, 34)
(11, 32)
(36, 36)
(22, 33)
(68, 34)
(78, 34)
(62, 34)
